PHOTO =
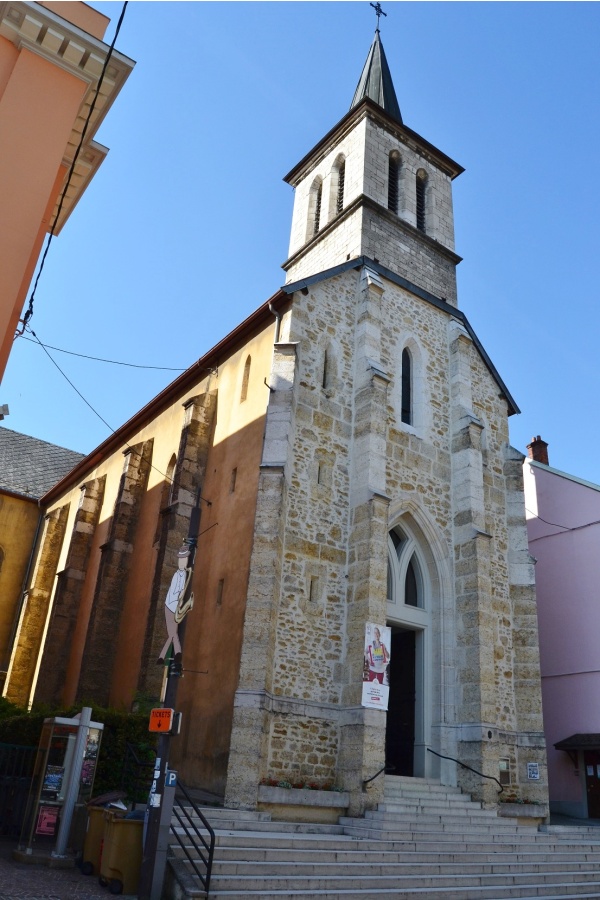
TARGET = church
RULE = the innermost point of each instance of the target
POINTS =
(348, 443)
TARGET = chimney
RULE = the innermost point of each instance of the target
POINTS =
(538, 450)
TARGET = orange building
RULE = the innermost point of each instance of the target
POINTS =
(108, 550)
(51, 59)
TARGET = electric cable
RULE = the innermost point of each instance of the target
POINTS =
(102, 419)
(29, 312)
(113, 362)
(556, 525)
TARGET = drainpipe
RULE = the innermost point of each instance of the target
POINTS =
(278, 322)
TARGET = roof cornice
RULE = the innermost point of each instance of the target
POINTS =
(357, 203)
(367, 108)
(438, 302)
(39, 30)
(175, 390)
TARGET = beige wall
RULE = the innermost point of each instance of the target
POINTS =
(19, 517)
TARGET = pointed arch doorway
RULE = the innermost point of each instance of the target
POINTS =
(409, 617)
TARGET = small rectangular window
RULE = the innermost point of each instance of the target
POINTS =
(220, 585)
(313, 590)
(232, 481)
(504, 771)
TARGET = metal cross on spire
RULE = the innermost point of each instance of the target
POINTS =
(378, 12)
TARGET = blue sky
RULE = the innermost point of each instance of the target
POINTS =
(184, 229)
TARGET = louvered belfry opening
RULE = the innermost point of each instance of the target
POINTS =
(340, 191)
(318, 209)
(393, 178)
(421, 184)
(406, 379)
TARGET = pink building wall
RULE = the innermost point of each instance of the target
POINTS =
(567, 587)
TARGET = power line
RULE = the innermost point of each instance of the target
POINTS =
(565, 528)
(113, 362)
(29, 312)
(65, 376)
(103, 420)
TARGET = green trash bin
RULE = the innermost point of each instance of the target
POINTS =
(94, 838)
(121, 853)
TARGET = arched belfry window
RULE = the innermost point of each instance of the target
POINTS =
(406, 415)
(315, 207)
(405, 575)
(393, 181)
(245, 379)
(341, 173)
(421, 191)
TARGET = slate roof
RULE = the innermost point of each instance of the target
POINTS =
(376, 82)
(31, 467)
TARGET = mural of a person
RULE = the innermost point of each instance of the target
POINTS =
(176, 606)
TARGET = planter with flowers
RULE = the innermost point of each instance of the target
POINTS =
(303, 801)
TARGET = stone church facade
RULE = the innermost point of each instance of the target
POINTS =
(352, 439)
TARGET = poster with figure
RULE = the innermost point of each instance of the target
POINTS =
(376, 680)
(177, 604)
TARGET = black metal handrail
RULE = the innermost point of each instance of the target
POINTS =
(465, 766)
(202, 849)
(136, 773)
(377, 774)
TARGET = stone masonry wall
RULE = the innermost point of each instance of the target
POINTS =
(365, 226)
(65, 606)
(351, 471)
(107, 608)
(196, 435)
(32, 623)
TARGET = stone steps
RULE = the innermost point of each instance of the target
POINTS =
(425, 842)
(397, 853)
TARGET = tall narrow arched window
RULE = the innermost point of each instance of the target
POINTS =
(318, 204)
(421, 187)
(340, 187)
(405, 578)
(393, 181)
(1, 558)
(406, 382)
(245, 380)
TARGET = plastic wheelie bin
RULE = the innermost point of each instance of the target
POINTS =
(94, 838)
(121, 853)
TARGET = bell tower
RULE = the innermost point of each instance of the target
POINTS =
(373, 187)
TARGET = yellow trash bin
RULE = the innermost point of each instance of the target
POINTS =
(121, 853)
(92, 847)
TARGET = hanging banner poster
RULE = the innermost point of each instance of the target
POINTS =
(376, 675)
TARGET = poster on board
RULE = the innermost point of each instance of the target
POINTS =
(376, 680)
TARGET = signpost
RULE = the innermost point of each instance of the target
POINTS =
(164, 722)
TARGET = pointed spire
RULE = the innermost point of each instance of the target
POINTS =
(376, 82)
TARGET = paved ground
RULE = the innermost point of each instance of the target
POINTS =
(23, 881)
